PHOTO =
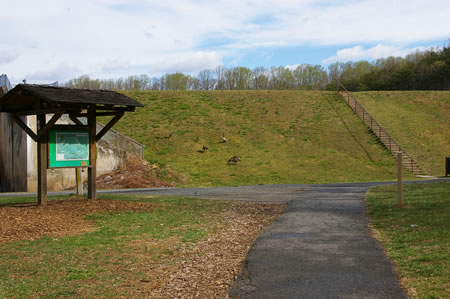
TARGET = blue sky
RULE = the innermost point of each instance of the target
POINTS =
(56, 40)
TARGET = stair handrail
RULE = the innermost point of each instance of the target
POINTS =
(372, 120)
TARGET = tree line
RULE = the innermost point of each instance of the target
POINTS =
(421, 70)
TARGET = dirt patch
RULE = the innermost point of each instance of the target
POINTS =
(58, 218)
(135, 173)
(208, 268)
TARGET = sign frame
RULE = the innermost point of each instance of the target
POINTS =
(55, 160)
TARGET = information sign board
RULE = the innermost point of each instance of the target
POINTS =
(68, 148)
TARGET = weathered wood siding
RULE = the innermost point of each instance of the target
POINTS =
(13, 156)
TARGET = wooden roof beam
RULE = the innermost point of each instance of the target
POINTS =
(25, 128)
(75, 119)
(109, 125)
(101, 113)
(117, 108)
(39, 111)
(46, 129)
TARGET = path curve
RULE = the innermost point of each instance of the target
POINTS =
(319, 247)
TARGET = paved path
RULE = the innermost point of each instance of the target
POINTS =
(319, 248)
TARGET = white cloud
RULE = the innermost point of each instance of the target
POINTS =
(292, 66)
(62, 72)
(379, 51)
(188, 63)
(116, 65)
(7, 56)
(106, 37)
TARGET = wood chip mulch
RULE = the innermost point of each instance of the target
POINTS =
(211, 266)
(205, 269)
(58, 218)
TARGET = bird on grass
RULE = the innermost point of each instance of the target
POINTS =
(224, 140)
(234, 159)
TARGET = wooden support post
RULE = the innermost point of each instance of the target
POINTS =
(42, 157)
(92, 170)
(399, 179)
(79, 182)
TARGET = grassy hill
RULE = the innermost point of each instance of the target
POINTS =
(418, 120)
(281, 136)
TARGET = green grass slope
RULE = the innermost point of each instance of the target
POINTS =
(418, 120)
(281, 136)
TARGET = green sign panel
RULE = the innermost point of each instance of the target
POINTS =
(68, 148)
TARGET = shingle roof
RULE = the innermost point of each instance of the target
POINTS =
(23, 96)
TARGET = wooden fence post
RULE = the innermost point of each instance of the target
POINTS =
(79, 182)
(42, 156)
(92, 170)
(399, 179)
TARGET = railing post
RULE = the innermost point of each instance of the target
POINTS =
(79, 182)
(399, 180)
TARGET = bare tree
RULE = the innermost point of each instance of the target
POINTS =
(260, 79)
(206, 79)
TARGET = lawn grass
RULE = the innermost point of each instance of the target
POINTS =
(281, 136)
(127, 246)
(416, 237)
(418, 120)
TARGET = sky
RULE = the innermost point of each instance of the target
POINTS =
(57, 40)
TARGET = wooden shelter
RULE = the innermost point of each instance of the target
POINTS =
(40, 100)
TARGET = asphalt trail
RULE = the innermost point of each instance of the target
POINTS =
(319, 248)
